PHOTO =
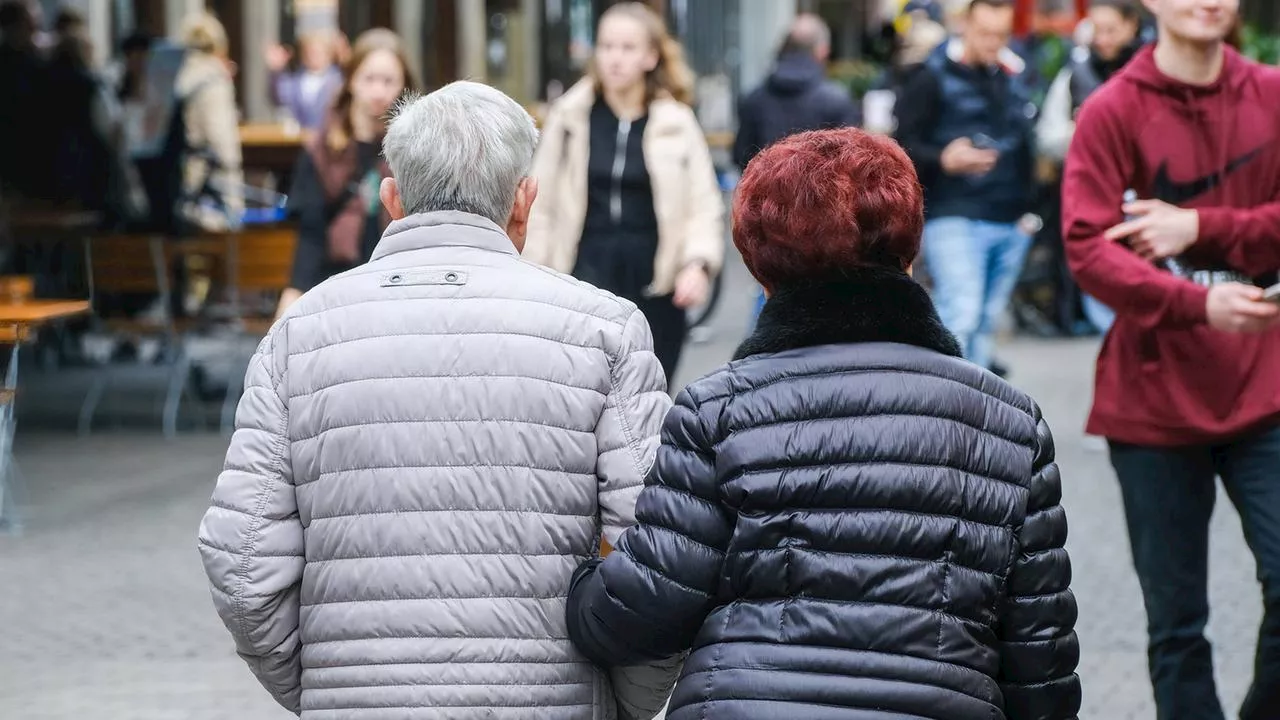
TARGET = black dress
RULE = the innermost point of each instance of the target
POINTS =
(620, 233)
(307, 203)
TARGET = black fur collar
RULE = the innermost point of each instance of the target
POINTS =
(869, 305)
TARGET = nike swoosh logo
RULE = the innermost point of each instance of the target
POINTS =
(1165, 188)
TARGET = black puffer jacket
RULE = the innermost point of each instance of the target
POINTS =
(848, 522)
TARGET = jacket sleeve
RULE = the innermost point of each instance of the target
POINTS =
(251, 540)
(1100, 163)
(538, 244)
(1038, 646)
(648, 599)
(1056, 125)
(1246, 239)
(704, 227)
(916, 110)
(627, 433)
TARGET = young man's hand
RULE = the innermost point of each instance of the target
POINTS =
(1239, 308)
(962, 158)
(1159, 230)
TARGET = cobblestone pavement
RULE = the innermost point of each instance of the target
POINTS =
(104, 612)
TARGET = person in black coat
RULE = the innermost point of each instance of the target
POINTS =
(797, 96)
(848, 521)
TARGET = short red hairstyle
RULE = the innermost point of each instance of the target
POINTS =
(815, 205)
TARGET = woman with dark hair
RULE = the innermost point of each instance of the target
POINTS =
(335, 185)
(849, 520)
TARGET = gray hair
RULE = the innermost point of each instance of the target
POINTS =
(463, 147)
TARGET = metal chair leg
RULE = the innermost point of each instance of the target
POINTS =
(179, 378)
(89, 407)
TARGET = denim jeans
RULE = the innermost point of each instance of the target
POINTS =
(1099, 315)
(1168, 497)
(760, 298)
(974, 265)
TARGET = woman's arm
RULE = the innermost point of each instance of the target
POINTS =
(649, 598)
(704, 227)
(1038, 646)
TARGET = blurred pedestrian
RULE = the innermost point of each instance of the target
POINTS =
(428, 446)
(630, 200)
(335, 183)
(1113, 41)
(307, 93)
(212, 124)
(966, 119)
(795, 97)
(849, 520)
(1186, 386)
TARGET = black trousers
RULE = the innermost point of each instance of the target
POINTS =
(670, 326)
(1168, 498)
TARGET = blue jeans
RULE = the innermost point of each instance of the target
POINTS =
(974, 265)
(1099, 315)
(1168, 498)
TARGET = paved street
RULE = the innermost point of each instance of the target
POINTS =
(104, 612)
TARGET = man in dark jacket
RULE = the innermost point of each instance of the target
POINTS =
(848, 521)
(966, 121)
(796, 97)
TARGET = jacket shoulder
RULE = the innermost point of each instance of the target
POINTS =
(669, 111)
(600, 302)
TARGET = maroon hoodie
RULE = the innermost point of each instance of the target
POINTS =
(1164, 376)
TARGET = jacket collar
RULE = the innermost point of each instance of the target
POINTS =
(868, 305)
(441, 229)
(666, 114)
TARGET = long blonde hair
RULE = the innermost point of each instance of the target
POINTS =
(672, 75)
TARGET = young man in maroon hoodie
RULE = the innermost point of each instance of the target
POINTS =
(1188, 379)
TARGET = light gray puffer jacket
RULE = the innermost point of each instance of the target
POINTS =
(427, 448)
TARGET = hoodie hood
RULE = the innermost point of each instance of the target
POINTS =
(1142, 71)
(795, 73)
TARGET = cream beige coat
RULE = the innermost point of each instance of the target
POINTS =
(686, 196)
(212, 125)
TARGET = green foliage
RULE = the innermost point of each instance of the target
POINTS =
(1258, 45)
(857, 76)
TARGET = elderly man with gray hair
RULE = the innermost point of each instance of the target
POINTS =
(427, 448)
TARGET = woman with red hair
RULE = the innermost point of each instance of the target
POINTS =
(849, 520)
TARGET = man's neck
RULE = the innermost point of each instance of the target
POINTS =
(1191, 63)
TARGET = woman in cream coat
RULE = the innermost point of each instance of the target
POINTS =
(627, 194)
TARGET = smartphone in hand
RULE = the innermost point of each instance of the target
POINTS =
(1272, 294)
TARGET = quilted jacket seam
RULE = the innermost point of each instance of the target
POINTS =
(627, 433)
(240, 598)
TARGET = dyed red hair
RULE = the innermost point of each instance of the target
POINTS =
(815, 205)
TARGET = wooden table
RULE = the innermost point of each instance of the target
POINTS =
(266, 146)
(17, 320)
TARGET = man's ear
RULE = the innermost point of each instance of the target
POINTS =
(389, 193)
(518, 223)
